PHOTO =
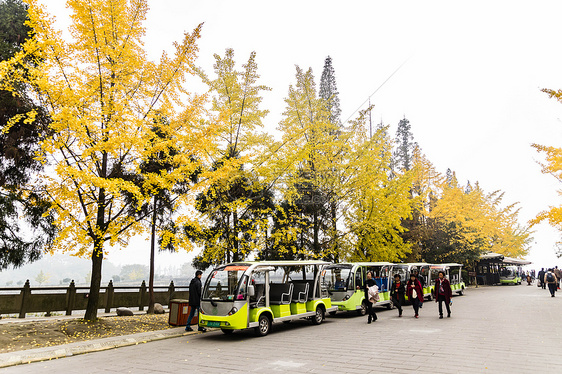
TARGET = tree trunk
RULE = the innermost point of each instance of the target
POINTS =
(236, 255)
(152, 250)
(316, 244)
(334, 211)
(301, 248)
(228, 239)
(94, 295)
(266, 252)
(97, 257)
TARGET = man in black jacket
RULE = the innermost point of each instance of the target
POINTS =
(194, 299)
(541, 278)
(397, 292)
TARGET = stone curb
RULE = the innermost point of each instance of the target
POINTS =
(78, 348)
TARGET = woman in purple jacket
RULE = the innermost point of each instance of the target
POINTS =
(443, 293)
(414, 292)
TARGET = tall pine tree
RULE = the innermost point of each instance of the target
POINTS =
(405, 147)
(403, 162)
(329, 92)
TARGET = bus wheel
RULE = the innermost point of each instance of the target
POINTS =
(429, 298)
(227, 331)
(319, 316)
(363, 310)
(264, 324)
(461, 292)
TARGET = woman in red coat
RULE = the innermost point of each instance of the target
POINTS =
(443, 293)
(415, 293)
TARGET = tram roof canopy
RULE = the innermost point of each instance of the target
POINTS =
(280, 263)
(515, 261)
(491, 256)
(447, 265)
(368, 263)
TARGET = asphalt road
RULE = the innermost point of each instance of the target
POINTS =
(503, 329)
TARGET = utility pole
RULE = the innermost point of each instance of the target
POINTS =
(370, 123)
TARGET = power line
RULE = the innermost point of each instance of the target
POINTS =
(383, 83)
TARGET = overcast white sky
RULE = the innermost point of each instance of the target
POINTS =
(471, 86)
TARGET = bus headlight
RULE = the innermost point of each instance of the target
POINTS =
(346, 297)
(232, 311)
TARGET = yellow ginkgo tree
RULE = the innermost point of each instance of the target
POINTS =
(463, 223)
(338, 200)
(377, 200)
(103, 95)
(552, 166)
(311, 144)
(234, 209)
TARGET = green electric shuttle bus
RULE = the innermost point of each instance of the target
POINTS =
(510, 274)
(345, 284)
(257, 294)
(453, 272)
(406, 269)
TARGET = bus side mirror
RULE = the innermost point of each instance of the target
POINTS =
(251, 291)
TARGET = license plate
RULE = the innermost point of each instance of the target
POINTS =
(213, 324)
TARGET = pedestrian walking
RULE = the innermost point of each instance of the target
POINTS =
(370, 282)
(443, 293)
(397, 292)
(414, 292)
(558, 274)
(422, 282)
(541, 278)
(194, 300)
(551, 281)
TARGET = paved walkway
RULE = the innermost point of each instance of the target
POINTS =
(504, 329)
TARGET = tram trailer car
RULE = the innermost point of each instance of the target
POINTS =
(424, 270)
(345, 284)
(453, 272)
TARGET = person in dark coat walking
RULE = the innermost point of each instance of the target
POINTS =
(370, 282)
(541, 278)
(443, 293)
(422, 282)
(397, 292)
(551, 281)
(414, 291)
(558, 274)
(194, 299)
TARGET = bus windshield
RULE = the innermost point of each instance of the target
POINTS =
(336, 278)
(508, 271)
(226, 283)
